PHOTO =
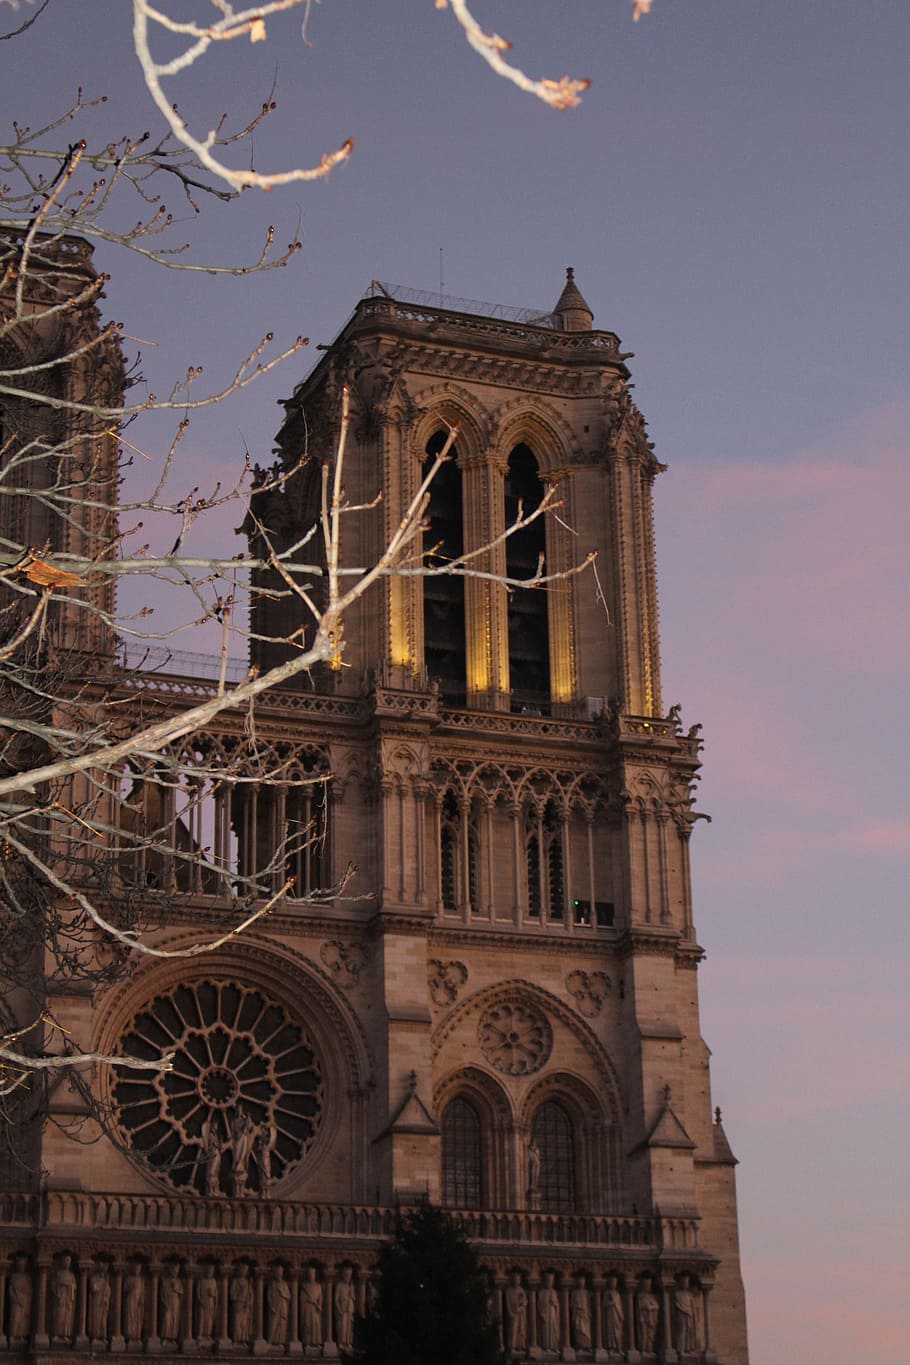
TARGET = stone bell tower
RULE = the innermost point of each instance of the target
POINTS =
(501, 1013)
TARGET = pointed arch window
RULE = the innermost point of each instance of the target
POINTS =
(444, 641)
(461, 1155)
(545, 861)
(448, 852)
(554, 1133)
(529, 637)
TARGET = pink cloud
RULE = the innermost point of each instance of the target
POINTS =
(885, 836)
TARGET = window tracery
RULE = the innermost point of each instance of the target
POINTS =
(552, 1130)
(243, 1102)
(461, 1155)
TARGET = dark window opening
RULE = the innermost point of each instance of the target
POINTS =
(461, 1156)
(444, 645)
(448, 853)
(553, 1132)
(529, 639)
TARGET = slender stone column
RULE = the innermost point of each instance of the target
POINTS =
(532, 1317)
(42, 1339)
(632, 1354)
(597, 1291)
(154, 1342)
(666, 1334)
(189, 1298)
(118, 1342)
(566, 1319)
(222, 1338)
(260, 1345)
(82, 1309)
(708, 1352)
(294, 1345)
(515, 813)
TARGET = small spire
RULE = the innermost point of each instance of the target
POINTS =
(717, 1115)
(572, 310)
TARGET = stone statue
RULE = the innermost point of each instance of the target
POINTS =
(241, 1297)
(548, 1314)
(99, 1303)
(171, 1300)
(311, 1308)
(533, 1168)
(580, 1315)
(63, 1299)
(344, 1304)
(647, 1310)
(243, 1135)
(684, 1319)
(279, 1307)
(262, 1155)
(211, 1156)
(515, 1302)
(134, 1303)
(614, 1316)
(206, 1303)
(20, 1301)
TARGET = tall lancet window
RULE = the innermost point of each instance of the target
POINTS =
(443, 596)
(553, 1132)
(461, 1155)
(529, 636)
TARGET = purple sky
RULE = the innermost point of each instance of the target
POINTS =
(733, 194)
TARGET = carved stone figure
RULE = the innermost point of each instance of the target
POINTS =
(647, 1311)
(134, 1303)
(580, 1315)
(684, 1319)
(20, 1301)
(344, 1304)
(206, 1303)
(515, 1304)
(279, 1306)
(243, 1135)
(311, 1308)
(171, 1300)
(548, 1314)
(534, 1159)
(99, 1303)
(241, 1297)
(211, 1156)
(262, 1155)
(614, 1316)
(63, 1298)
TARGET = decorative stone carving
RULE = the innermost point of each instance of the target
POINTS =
(614, 1315)
(311, 1308)
(534, 1160)
(580, 1314)
(171, 1297)
(647, 1311)
(515, 1038)
(344, 960)
(588, 990)
(684, 1318)
(279, 1297)
(242, 1068)
(206, 1304)
(548, 1314)
(445, 980)
(20, 1301)
(134, 1303)
(240, 1293)
(515, 1308)
(344, 1305)
(63, 1300)
(99, 1303)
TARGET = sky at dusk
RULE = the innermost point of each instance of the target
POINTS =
(734, 194)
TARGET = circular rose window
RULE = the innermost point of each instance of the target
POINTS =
(515, 1038)
(243, 1102)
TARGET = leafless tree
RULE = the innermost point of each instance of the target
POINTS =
(106, 797)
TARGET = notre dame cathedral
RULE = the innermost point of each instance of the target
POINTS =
(499, 1013)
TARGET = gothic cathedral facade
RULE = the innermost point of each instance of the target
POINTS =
(499, 1011)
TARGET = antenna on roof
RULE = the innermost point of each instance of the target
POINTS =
(441, 285)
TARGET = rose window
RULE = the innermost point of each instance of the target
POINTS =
(243, 1102)
(514, 1038)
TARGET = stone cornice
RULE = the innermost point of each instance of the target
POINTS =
(598, 943)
